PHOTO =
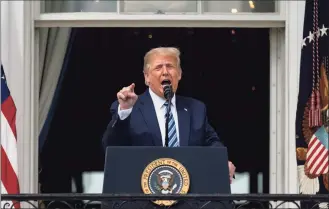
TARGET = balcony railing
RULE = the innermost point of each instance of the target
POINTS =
(191, 201)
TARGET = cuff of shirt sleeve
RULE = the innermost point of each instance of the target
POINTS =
(123, 114)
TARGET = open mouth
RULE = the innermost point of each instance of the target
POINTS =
(166, 82)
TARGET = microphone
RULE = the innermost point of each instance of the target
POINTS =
(167, 91)
(168, 94)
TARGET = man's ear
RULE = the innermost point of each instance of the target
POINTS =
(146, 77)
(180, 75)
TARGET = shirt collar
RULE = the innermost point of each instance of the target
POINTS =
(159, 101)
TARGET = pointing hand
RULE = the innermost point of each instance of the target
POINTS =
(127, 97)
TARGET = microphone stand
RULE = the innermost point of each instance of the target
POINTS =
(167, 121)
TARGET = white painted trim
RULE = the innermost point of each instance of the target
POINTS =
(277, 186)
(277, 113)
(274, 117)
(30, 125)
(291, 80)
(36, 9)
(281, 89)
(291, 46)
(288, 59)
(281, 8)
(84, 19)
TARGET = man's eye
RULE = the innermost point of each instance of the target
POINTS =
(158, 67)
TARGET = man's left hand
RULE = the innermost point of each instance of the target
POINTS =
(231, 169)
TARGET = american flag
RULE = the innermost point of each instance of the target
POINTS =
(317, 155)
(9, 165)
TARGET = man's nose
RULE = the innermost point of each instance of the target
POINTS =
(165, 70)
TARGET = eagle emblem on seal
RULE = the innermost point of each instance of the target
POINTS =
(165, 176)
(165, 180)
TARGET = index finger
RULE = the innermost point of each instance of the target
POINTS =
(132, 87)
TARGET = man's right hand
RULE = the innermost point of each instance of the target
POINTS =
(127, 97)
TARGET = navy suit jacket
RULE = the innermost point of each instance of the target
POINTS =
(141, 127)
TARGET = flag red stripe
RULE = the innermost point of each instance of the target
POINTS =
(321, 161)
(309, 156)
(9, 179)
(324, 167)
(315, 146)
(8, 175)
(312, 142)
(8, 109)
(318, 155)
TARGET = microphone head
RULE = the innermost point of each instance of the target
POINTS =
(167, 89)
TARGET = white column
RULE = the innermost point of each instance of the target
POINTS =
(293, 33)
(17, 54)
(277, 113)
(31, 101)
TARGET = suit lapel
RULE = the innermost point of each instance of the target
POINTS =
(183, 121)
(147, 109)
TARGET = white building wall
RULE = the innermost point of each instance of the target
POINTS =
(12, 59)
(15, 49)
(13, 52)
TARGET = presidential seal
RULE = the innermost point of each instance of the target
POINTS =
(165, 176)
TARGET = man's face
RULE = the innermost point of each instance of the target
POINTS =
(162, 68)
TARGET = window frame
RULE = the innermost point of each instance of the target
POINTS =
(286, 35)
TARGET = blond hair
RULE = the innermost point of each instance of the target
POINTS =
(167, 51)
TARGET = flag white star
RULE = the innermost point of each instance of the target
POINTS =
(310, 37)
(304, 42)
(323, 30)
(3, 77)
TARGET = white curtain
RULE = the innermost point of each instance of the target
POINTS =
(53, 45)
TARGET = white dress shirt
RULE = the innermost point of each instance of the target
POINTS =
(160, 111)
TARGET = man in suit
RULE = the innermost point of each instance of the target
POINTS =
(140, 120)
